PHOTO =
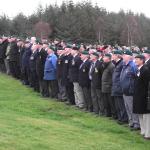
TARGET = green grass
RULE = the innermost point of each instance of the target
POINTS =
(29, 122)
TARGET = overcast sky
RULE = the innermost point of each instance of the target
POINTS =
(12, 7)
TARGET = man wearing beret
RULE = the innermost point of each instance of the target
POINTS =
(140, 96)
(84, 80)
(50, 73)
(65, 75)
(127, 80)
(60, 64)
(74, 77)
(107, 85)
(116, 87)
(95, 75)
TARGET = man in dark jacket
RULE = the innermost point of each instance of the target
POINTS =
(65, 76)
(127, 80)
(62, 96)
(25, 68)
(40, 62)
(107, 85)
(116, 88)
(74, 77)
(3, 47)
(84, 80)
(14, 58)
(32, 63)
(140, 96)
(95, 75)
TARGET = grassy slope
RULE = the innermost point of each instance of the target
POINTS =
(28, 122)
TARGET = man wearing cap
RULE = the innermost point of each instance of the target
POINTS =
(95, 75)
(107, 85)
(127, 80)
(74, 77)
(65, 75)
(50, 73)
(40, 62)
(116, 87)
(60, 63)
(140, 96)
(84, 80)
(32, 63)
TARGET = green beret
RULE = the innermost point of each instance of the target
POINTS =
(146, 51)
(140, 56)
(85, 53)
(60, 48)
(127, 52)
(135, 52)
(53, 48)
(95, 54)
(117, 52)
(69, 46)
(108, 55)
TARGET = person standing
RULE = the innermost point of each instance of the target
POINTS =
(127, 80)
(50, 73)
(140, 96)
(116, 88)
(74, 77)
(84, 80)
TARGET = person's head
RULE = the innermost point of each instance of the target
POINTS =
(107, 58)
(27, 44)
(139, 60)
(50, 51)
(74, 51)
(33, 40)
(146, 54)
(117, 54)
(94, 56)
(84, 55)
(34, 47)
(127, 56)
(45, 45)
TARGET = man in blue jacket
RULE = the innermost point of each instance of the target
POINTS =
(50, 73)
(127, 80)
(116, 87)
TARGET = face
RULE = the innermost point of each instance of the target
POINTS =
(93, 57)
(114, 57)
(83, 57)
(49, 51)
(106, 59)
(34, 47)
(127, 58)
(147, 56)
(138, 61)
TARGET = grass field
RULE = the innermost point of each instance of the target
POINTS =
(29, 122)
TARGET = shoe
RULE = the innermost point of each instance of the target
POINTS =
(135, 128)
(147, 138)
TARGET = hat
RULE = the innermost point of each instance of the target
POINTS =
(75, 48)
(140, 56)
(53, 48)
(127, 52)
(135, 52)
(146, 51)
(117, 52)
(107, 55)
(95, 54)
(68, 46)
(85, 53)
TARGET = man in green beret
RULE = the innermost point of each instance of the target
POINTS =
(116, 87)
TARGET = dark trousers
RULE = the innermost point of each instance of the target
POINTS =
(41, 86)
(87, 98)
(25, 75)
(2, 67)
(14, 69)
(62, 91)
(34, 80)
(109, 105)
(70, 93)
(120, 108)
(94, 96)
(51, 88)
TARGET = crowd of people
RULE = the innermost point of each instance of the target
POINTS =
(110, 81)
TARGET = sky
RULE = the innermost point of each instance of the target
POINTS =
(13, 7)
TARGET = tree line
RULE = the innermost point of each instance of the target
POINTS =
(80, 22)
